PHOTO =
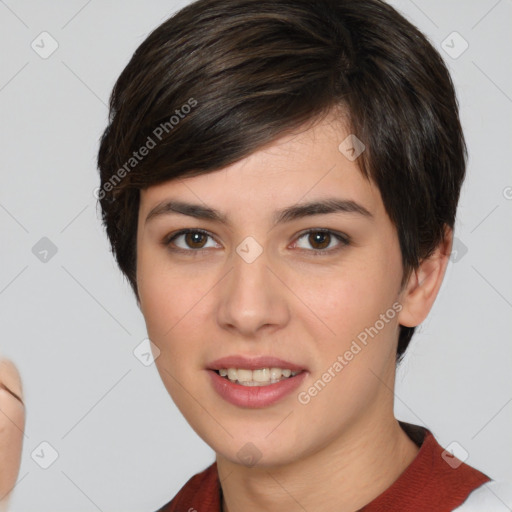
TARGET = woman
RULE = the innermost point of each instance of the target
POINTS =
(279, 183)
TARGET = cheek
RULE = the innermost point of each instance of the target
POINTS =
(162, 290)
(171, 306)
(346, 300)
(176, 308)
(356, 339)
(357, 349)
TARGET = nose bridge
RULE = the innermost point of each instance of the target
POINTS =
(252, 296)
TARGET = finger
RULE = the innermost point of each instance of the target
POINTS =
(10, 379)
(2, 386)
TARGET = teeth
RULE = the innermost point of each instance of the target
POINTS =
(260, 377)
(244, 375)
(275, 373)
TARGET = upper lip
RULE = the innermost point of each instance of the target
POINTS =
(253, 363)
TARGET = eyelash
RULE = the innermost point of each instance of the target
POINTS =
(344, 239)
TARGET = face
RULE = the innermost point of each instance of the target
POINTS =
(259, 276)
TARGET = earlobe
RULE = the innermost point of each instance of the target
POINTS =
(420, 292)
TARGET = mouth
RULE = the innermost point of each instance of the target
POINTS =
(255, 382)
(255, 371)
(258, 377)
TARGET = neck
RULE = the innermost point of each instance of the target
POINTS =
(344, 475)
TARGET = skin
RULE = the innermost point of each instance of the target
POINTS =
(12, 424)
(344, 447)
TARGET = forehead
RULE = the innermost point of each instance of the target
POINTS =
(307, 164)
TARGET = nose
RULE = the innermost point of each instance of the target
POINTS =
(253, 298)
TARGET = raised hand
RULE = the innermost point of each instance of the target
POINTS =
(12, 424)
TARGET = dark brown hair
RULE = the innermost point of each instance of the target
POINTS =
(222, 78)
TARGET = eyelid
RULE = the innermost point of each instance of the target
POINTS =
(341, 237)
(169, 238)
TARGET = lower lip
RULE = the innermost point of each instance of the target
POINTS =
(255, 396)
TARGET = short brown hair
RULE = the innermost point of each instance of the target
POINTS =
(250, 70)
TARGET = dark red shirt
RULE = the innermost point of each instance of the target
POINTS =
(434, 481)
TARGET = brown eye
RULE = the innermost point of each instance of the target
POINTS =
(195, 239)
(321, 240)
(189, 240)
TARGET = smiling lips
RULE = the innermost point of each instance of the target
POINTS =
(260, 377)
(254, 382)
(255, 371)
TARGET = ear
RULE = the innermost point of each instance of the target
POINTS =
(422, 287)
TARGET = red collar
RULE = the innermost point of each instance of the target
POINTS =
(428, 483)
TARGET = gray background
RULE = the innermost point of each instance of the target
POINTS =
(70, 323)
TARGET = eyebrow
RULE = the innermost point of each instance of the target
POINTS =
(298, 211)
